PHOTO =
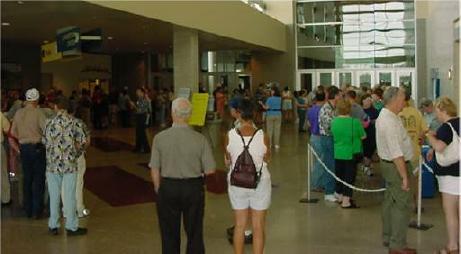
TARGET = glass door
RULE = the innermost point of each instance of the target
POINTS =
(406, 78)
(344, 78)
(365, 78)
(385, 77)
(306, 80)
(325, 78)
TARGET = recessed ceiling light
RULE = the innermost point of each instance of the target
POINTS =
(145, 43)
(20, 2)
(45, 41)
(6, 23)
(110, 37)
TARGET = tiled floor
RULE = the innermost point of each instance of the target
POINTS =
(292, 228)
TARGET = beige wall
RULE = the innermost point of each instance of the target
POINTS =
(438, 17)
(233, 19)
(67, 74)
(277, 67)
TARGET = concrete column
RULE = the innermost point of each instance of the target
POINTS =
(185, 59)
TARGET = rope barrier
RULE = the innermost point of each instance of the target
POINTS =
(338, 179)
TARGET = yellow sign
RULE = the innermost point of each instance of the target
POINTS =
(199, 106)
(50, 52)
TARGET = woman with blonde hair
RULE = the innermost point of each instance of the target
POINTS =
(445, 144)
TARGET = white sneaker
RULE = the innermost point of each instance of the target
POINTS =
(331, 198)
(338, 196)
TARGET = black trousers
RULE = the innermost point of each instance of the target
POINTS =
(181, 199)
(141, 138)
(346, 170)
(125, 118)
(33, 167)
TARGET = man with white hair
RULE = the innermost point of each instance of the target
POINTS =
(396, 151)
(181, 157)
(28, 126)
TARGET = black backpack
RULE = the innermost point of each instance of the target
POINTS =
(244, 174)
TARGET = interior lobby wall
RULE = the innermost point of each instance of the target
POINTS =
(67, 74)
(28, 59)
(439, 17)
(129, 70)
(277, 67)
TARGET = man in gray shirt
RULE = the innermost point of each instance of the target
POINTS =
(180, 159)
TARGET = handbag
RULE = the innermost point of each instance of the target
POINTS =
(450, 154)
(244, 174)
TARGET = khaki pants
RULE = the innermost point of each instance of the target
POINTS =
(273, 124)
(81, 165)
(6, 189)
(396, 207)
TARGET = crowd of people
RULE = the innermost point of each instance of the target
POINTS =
(348, 126)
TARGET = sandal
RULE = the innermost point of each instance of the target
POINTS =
(351, 206)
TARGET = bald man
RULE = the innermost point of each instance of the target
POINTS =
(181, 157)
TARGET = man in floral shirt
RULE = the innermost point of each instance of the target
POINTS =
(326, 115)
(64, 138)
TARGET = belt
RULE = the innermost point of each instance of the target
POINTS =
(386, 161)
(191, 179)
(273, 110)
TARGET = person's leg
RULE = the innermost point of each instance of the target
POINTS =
(400, 210)
(316, 173)
(349, 177)
(258, 219)
(277, 126)
(387, 204)
(451, 210)
(138, 132)
(169, 217)
(241, 220)
(81, 165)
(70, 210)
(6, 188)
(38, 182)
(144, 143)
(54, 189)
(193, 207)
(302, 120)
(340, 167)
(270, 129)
(27, 173)
(330, 182)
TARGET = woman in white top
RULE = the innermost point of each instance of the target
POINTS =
(249, 202)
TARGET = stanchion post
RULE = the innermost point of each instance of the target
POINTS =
(310, 158)
(418, 225)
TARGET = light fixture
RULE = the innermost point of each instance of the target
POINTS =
(6, 24)
(145, 43)
(45, 42)
(20, 2)
(110, 37)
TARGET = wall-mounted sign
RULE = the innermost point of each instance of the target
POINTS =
(68, 41)
(50, 52)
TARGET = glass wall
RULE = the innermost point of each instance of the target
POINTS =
(355, 34)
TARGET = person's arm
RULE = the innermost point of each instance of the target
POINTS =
(437, 145)
(208, 162)
(402, 170)
(154, 165)
(155, 175)
(267, 155)
(227, 158)
(265, 106)
(5, 124)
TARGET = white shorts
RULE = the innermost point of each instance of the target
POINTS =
(449, 184)
(256, 199)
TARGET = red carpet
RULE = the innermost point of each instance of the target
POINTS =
(118, 187)
(215, 183)
(110, 145)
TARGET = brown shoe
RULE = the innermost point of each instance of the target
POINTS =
(402, 251)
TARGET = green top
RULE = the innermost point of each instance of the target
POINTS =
(347, 135)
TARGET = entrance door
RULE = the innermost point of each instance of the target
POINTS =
(306, 81)
(385, 77)
(406, 78)
(365, 78)
(344, 78)
(325, 78)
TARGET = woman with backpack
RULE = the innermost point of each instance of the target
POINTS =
(247, 155)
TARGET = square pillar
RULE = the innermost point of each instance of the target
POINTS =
(185, 59)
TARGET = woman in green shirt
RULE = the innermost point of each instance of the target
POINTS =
(347, 133)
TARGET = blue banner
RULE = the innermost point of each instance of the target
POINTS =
(68, 40)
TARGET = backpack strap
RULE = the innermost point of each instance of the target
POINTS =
(246, 146)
